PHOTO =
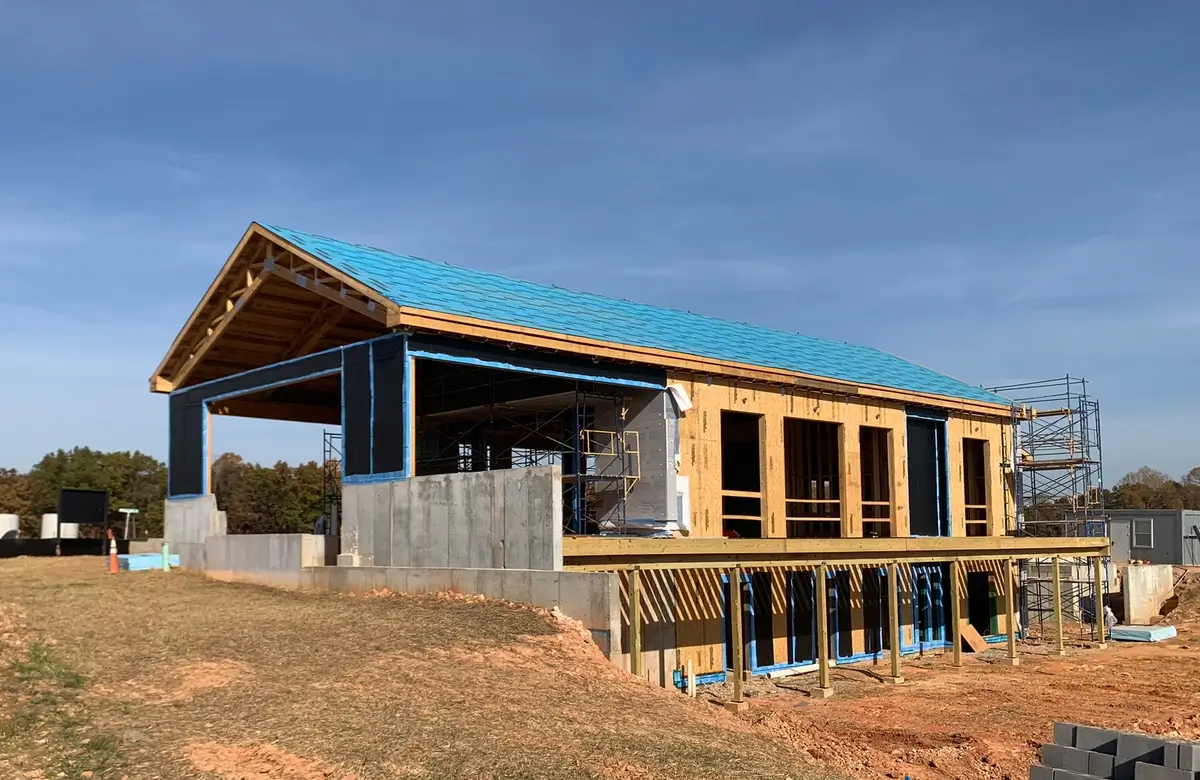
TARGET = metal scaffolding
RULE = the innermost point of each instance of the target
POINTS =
(580, 428)
(1059, 488)
(331, 480)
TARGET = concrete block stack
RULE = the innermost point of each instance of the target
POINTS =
(1083, 752)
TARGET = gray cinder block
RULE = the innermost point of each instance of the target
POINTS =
(1101, 765)
(1144, 771)
(1064, 734)
(1189, 757)
(1067, 774)
(1097, 740)
(1147, 750)
(1063, 757)
(1039, 772)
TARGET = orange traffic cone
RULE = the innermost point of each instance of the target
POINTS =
(112, 553)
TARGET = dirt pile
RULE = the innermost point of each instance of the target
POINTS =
(1184, 606)
(885, 753)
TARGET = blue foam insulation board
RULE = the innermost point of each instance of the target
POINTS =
(145, 562)
(1142, 633)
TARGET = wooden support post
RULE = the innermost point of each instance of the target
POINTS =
(1098, 568)
(737, 638)
(208, 453)
(635, 622)
(825, 687)
(1058, 620)
(1010, 611)
(894, 619)
(956, 610)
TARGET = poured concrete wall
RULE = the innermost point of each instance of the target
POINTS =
(593, 598)
(265, 559)
(1146, 587)
(192, 520)
(480, 520)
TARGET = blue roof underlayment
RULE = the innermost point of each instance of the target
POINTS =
(424, 284)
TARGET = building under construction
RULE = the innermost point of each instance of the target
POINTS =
(742, 498)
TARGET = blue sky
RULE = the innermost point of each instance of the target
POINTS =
(1002, 191)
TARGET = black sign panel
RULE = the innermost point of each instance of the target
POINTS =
(83, 507)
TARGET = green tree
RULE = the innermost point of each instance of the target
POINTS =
(132, 479)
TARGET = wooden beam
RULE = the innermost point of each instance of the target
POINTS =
(822, 583)
(593, 553)
(1059, 649)
(335, 294)
(736, 636)
(267, 410)
(235, 302)
(210, 293)
(318, 326)
(1010, 600)
(894, 619)
(956, 593)
(208, 448)
(635, 622)
(1098, 569)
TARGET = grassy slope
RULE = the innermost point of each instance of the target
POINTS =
(144, 665)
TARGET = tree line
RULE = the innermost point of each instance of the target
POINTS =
(289, 499)
(257, 499)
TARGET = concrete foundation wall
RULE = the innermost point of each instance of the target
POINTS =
(192, 520)
(266, 559)
(508, 519)
(1146, 588)
(591, 598)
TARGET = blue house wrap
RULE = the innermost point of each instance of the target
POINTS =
(424, 284)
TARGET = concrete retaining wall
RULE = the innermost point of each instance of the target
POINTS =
(1147, 586)
(508, 519)
(192, 520)
(592, 598)
(278, 560)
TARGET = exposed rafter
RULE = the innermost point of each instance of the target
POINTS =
(302, 274)
(323, 320)
(261, 256)
(233, 304)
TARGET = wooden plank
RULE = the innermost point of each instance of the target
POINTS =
(954, 446)
(822, 628)
(738, 650)
(775, 492)
(893, 586)
(377, 313)
(210, 295)
(635, 622)
(323, 320)
(969, 547)
(180, 377)
(1010, 612)
(956, 595)
(976, 642)
(850, 466)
